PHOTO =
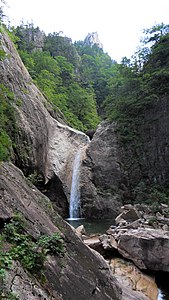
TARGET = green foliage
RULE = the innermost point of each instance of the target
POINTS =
(52, 244)
(152, 221)
(138, 83)
(79, 101)
(83, 81)
(2, 54)
(26, 253)
(14, 229)
(73, 77)
(56, 78)
(58, 45)
(25, 36)
(23, 248)
(95, 70)
(151, 195)
(5, 263)
(7, 295)
(12, 34)
(7, 125)
(35, 178)
(5, 145)
(155, 33)
(159, 196)
(29, 253)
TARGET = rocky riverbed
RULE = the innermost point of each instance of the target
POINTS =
(138, 242)
(141, 236)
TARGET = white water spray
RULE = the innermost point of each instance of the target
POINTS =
(75, 208)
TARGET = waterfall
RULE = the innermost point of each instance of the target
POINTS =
(75, 209)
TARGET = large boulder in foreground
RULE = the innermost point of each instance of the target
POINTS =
(147, 248)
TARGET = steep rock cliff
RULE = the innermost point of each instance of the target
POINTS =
(120, 172)
(42, 143)
(146, 156)
(101, 175)
(80, 274)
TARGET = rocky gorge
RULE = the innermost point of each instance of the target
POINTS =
(46, 146)
(136, 248)
(39, 137)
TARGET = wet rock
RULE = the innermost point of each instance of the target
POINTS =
(130, 276)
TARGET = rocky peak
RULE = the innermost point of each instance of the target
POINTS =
(38, 39)
(33, 37)
(93, 39)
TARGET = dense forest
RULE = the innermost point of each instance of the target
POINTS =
(84, 83)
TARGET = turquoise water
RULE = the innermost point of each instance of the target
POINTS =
(92, 226)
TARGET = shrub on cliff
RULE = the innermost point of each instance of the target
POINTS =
(7, 124)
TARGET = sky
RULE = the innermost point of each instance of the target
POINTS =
(119, 24)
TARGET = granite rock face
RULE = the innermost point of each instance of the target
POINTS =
(101, 175)
(80, 274)
(122, 172)
(93, 39)
(43, 143)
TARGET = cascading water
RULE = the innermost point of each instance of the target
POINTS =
(75, 208)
